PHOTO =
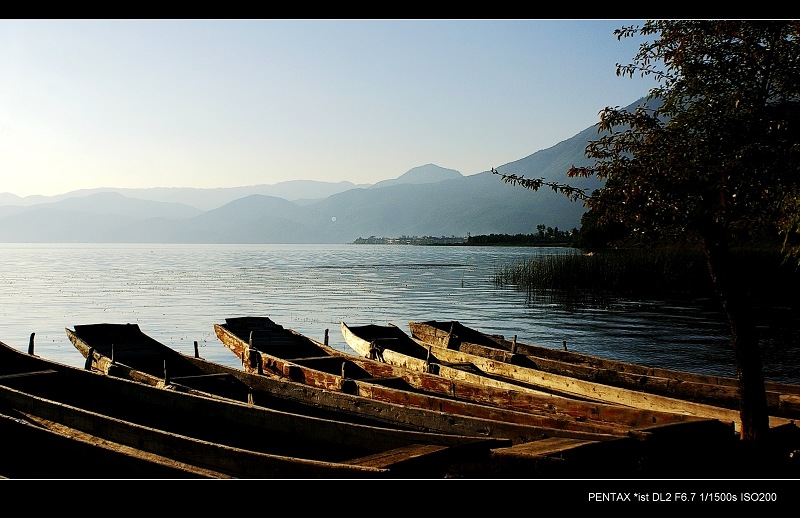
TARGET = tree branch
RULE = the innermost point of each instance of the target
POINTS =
(534, 184)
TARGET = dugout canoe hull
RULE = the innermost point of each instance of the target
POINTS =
(292, 356)
(140, 357)
(241, 440)
(783, 399)
(399, 348)
(35, 448)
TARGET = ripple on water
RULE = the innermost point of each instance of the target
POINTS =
(177, 292)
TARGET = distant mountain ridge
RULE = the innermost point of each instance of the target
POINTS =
(428, 200)
(428, 173)
(300, 191)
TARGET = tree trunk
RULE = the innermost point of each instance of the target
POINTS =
(749, 370)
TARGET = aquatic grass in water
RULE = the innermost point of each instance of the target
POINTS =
(596, 279)
(662, 273)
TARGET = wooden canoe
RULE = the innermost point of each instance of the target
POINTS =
(783, 399)
(399, 348)
(139, 357)
(668, 448)
(241, 440)
(32, 449)
(130, 347)
(295, 357)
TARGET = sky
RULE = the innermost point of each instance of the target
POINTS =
(225, 103)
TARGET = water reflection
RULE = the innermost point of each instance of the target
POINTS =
(570, 299)
(177, 292)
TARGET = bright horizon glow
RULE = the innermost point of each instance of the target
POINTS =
(227, 103)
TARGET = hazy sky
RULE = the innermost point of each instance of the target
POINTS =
(224, 103)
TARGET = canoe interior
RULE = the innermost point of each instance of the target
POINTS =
(289, 347)
(127, 345)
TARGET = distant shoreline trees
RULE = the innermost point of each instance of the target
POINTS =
(544, 236)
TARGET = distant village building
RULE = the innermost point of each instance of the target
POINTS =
(405, 240)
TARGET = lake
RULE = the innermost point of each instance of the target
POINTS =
(177, 292)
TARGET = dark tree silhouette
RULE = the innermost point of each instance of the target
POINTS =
(715, 162)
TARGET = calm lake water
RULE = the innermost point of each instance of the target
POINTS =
(177, 292)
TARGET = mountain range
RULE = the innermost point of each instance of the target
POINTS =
(428, 200)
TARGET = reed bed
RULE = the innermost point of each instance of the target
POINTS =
(621, 271)
(663, 273)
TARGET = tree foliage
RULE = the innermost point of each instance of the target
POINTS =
(713, 157)
(720, 153)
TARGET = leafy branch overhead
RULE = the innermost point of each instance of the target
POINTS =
(534, 184)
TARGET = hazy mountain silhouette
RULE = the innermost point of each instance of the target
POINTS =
(428, 200)
(299, 191)
(428, 173)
